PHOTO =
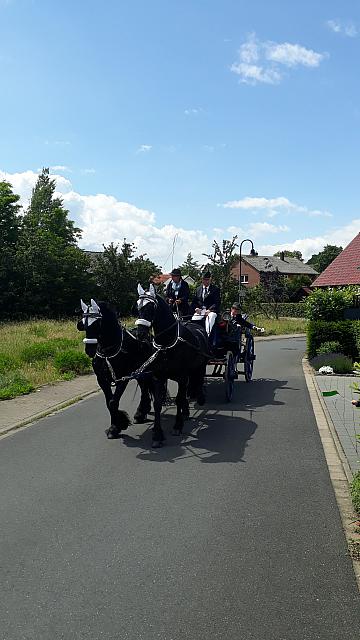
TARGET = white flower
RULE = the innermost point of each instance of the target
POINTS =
(326, 370)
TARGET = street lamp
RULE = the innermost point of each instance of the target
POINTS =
(252, 253)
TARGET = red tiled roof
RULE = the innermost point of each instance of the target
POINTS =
(344, 270)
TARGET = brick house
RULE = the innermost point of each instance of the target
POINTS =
(253, 266)
(344, 270)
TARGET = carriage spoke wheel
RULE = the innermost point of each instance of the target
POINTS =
(249, 358)
(229, 375)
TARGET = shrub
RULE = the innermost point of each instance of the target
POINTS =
(329, 347)
(283, 309)
(355, 491)
(328, 304)
(14, 384)
(72, 361)
(338, 362)
(6, 363)
(346, 332)
(46, 349)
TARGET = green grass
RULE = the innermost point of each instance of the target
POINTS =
(355, 492)
(32, 353)
(281, 326)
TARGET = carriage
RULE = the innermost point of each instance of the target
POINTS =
(233, 346)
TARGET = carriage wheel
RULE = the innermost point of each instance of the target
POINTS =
(229, 375)
(249, 358)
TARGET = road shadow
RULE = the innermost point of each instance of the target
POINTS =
(216, 432)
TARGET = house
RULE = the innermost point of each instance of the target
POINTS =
(344, 270)
(165, 278)
(253, 266)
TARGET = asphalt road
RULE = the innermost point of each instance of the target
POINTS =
(233, 533)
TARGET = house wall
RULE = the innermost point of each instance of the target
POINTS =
(246, 269)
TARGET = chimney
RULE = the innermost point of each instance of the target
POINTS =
(282, 256)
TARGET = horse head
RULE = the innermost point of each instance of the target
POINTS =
(146, 307)
(91, 324)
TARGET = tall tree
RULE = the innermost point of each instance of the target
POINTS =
(117, 272)
(220, 263)
(319, 261)
(191, 268)
(53, 271)
(46, 212)
(9, 234)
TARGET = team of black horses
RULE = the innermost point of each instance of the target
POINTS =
(160, 348)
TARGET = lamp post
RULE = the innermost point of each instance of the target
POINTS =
(253, 253)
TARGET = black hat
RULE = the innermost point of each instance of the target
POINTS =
(176, 272)
(206, 274)
(236, 306)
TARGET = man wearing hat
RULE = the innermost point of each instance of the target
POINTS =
(177, 293)
(206, 302)
(238, 321)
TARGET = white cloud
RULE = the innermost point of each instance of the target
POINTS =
(193, 111)
(273, 206)
(256, 230)
(88, 171)
(23, 183)
(263, 61)
(308, 246)
(60, 167)
(345, 28)
(144, 148)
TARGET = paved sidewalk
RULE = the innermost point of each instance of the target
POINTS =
(344, 416)
(24, 409)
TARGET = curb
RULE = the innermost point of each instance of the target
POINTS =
(339, 469)
(26, 422)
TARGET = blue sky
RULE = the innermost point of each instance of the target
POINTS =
(189, 118)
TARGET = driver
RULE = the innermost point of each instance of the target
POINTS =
(177, 293)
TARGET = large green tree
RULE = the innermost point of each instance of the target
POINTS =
(53, 271)
(117, 272)
(9, 235)
(220, 263)
(319, 261)
(191, 268)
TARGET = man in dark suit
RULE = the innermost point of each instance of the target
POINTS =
(177, 293)
(206, 302)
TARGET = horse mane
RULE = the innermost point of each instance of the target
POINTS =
(110, 323)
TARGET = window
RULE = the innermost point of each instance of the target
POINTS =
(244, 278)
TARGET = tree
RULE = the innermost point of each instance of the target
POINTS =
(221, 262)
(290, 254)
(53, 272)
(319, 261)
(267, 296)
(117, 272)
(47, 213)
(191, 268)
(9, 234)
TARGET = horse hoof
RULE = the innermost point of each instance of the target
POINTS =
(157, 444)
(112, 434)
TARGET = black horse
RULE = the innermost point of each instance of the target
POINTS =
(182, 354)
(115, 353)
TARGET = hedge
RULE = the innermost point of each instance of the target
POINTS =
(285, 309)
(346, 332)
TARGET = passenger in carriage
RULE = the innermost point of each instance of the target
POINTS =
(206, 304)
(237, 319)
(177, 293)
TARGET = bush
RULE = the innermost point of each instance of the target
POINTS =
(46, 349)
(6, 363)
(355, 492)
(345, 332)
(329, 347)
(72, 361)
(14, 384)
(283, 309)
(338, 362)
(328, 304)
